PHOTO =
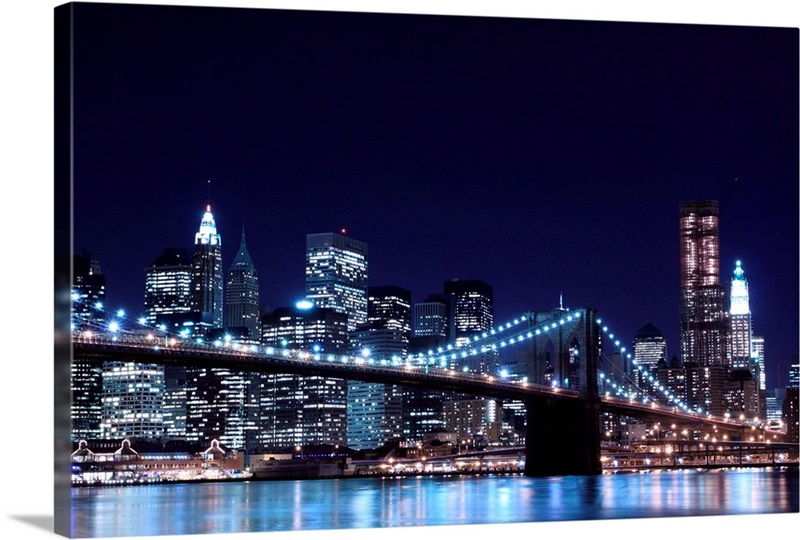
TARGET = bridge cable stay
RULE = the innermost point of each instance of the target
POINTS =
(645, 372)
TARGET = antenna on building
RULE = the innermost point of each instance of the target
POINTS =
(561, 301)
(208, 195)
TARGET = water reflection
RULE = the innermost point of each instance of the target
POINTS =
(425, 501)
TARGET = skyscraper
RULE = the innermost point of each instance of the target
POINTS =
(474, 308)
(649, 348)
(336, 275)
(298, 410)
(88, 292)
(88, 295)
(704, 310)
(703, 302)
(133, 401)
(241, 296)
(168, 287)
(741, 334)
(207, 281)
(374, 411)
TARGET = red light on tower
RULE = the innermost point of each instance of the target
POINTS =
(344, 231)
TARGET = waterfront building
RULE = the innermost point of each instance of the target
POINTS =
(222, 404)
(242, 319)
(474, 420)
(133, 401)
(703, 313)
(168, 288)
(300, 410)
(86, 377)
(207, 279)
(374, 411)
(174, 412)
(336, 275)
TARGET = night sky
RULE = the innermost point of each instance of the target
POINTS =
(541, 156)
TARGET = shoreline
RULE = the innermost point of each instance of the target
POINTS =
(627, 470)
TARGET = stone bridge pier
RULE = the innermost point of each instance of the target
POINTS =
(563, 435)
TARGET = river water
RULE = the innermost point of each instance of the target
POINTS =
(355, 503)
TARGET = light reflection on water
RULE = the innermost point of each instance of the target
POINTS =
(425, 501)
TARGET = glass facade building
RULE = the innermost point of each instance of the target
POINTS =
(474, 307)
(168, 286)
(336, 275)
(133, 401)
(374, 411)
(302, 410)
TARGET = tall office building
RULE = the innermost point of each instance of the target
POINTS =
(168, 287)
(222, 404)
(390, 307)
(241, 296)
(133, 401)
(302, 410)
(374, 411)
(649, 348)
(336, 275)
(88, 292)
(741, 334)
(474, 307)
(88, 295)
(794, 373)
(703, 313)
(207, 280)
(434, 320)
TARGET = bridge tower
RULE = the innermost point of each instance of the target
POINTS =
(563, 436)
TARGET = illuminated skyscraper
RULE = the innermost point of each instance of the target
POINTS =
(88, 295)
(741, 326)
(374, 411)
(336, 275)
(474, 308)
(300, 410)
(133, 401)
(703, 303)
(649, 348)
(168, 286)
(207, 281)
(241, 296)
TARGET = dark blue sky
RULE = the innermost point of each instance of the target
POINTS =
(539, 156)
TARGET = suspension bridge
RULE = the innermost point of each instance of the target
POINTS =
(564, 403)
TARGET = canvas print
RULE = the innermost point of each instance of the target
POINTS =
(331, 271)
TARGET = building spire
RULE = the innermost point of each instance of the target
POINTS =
(561, 301)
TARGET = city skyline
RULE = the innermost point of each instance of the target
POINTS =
(448, 157)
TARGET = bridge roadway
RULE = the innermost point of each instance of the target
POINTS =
(552, 411)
